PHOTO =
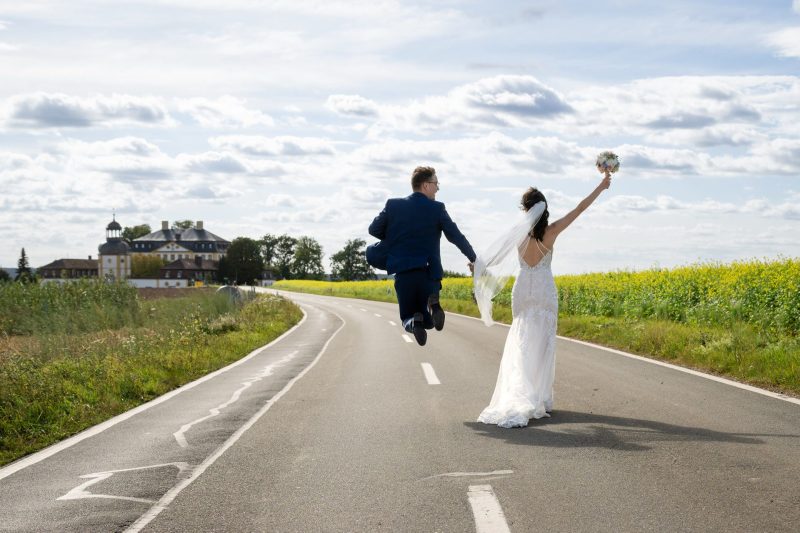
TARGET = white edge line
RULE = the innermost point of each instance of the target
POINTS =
(99, 428)
(486, 510)
(430, 374)
(167, 498)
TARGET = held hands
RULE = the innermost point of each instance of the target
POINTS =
(471, 267)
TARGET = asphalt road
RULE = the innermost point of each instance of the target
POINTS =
(344, 424)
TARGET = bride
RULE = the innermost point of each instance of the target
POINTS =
(524, 388)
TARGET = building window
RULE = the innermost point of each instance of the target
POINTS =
(172, 256)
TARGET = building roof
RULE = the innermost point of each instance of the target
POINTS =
(72, 264)
(114, 247)
(186, 235)
(191, 264)
(114, 225)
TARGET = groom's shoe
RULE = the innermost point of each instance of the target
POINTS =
(436, 312)
(419, 329)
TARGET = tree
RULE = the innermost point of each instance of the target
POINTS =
(24, 272)
(182, 224)
(242, 262)
(4, 276)
(269, 244)
(134, 232)
(146, 266)
(307, 261)
(350, 263)
(454, 274)
(284, 255)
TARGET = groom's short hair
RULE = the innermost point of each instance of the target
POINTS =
(420, 176)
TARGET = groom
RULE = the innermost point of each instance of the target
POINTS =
(410, 229)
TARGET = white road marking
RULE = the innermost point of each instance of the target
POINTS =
(80, 492)
(377, 315)
(406, 338)
(95, 430)
(476, 474)
(324, 329)
(179, 435)
(430, 375)
(763, 392)
(167, 498)
(363, 309)
(486, 510)
(392, 323)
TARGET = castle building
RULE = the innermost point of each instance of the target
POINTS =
(114, 260)
(173, 244)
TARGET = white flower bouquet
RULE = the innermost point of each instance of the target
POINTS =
(607, 162)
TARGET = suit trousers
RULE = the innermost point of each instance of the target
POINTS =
(413, 288)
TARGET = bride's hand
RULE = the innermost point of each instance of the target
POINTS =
(606, 183)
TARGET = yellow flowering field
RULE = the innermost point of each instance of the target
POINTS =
(765, 294)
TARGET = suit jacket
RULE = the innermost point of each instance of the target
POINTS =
(410, 230)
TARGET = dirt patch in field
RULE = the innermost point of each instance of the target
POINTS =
(147, 293)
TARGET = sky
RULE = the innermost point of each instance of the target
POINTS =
(302, 117)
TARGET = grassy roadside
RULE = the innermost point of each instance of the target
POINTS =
(766, 357)
(56, 383)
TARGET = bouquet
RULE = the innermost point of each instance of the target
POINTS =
(607, 162)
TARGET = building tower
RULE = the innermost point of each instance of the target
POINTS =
(114, 259)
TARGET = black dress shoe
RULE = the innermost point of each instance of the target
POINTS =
(419, 330)
(436, 312)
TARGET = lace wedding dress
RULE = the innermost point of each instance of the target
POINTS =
(524, 388)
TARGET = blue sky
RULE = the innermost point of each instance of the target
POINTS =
(302, 117)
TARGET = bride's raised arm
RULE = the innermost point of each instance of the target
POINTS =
(562, 223)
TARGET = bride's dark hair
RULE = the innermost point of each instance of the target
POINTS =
(530, 198)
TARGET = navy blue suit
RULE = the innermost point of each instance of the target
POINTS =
(410, 230)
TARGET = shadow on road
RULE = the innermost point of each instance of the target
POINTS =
(582, 430)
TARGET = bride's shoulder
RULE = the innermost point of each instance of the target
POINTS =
(550, 235)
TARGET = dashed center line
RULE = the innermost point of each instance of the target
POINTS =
(406, 338)
(489, 516)
(392, 323)
(430, 374)
(377, 315)
(363, 309)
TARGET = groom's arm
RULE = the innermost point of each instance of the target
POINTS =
(378, 227)
(455, 236)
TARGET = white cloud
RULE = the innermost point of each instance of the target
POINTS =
(255, 145)
(223, 112)
(280, 200)
(786, 42)
(213, 163)
(57, 110)
(796, 5)
(352, 105)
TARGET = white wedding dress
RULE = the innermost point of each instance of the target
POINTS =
(524, 388)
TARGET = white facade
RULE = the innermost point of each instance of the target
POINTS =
(115, 266)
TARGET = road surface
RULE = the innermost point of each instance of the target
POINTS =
(346, 424)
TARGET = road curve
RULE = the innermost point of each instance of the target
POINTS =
(366, 431)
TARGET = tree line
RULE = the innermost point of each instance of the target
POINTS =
(287, 257)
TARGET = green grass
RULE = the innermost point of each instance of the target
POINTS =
(56, 383)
